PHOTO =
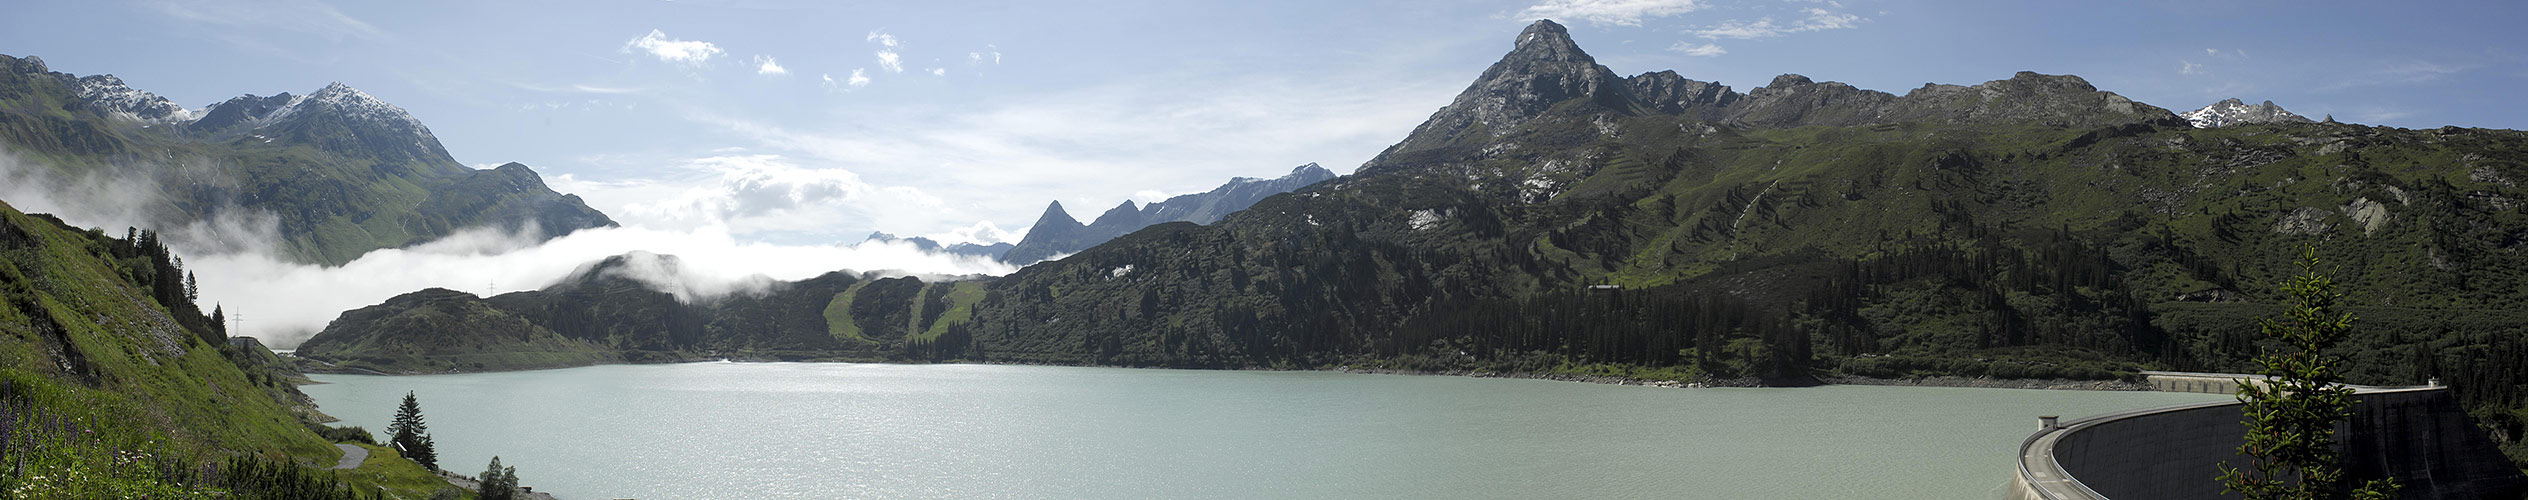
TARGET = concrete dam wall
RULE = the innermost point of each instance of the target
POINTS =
(2418, 435)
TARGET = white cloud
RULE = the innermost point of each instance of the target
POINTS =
(656, 43)
(981, 233)
(764, 65)
(859, 78)
(996, 53)
(2212, 52)
(233, 250)
(939, 71)
(1704, 50)
(272, 297)
(888, 59)
(1817, 20)
(1616, 12)
(2189, 68)
(974, 57)
(764, 192)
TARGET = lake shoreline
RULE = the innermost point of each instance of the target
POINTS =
(1706, 382)
(1710, 382)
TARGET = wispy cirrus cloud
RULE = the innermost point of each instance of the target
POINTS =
(1702, 50)
(579, 88)
(2401, 73)
(1614, 12)
(1816, 19)
(657, 44)
(303, 16)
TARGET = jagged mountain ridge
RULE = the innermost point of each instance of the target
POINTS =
(1547, 73)
(2232, 111)
(1057, 233)
(342, 171)
(111, 95)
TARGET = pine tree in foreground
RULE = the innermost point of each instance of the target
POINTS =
(411, 435)
(2291, 416)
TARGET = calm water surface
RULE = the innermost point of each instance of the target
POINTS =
(830, 430)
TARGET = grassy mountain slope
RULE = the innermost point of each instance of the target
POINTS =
(107, 393)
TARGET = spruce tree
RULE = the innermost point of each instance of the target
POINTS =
(2291, 416)
(411, 435)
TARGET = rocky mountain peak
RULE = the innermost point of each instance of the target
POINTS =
(1311, 170)
(336, 117)
(1543, 68)
(1788, 80)
(108, 93)
(1054, 216)
(2233, 111)
(1546, 41)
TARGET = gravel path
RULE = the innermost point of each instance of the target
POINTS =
(352, 455)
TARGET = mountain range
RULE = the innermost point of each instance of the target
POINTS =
(1057, 233)
(335, 173)
(1559, 218)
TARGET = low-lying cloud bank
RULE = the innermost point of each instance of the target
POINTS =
(283, 302)
(234, 252)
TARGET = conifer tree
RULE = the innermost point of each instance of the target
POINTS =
(412, 435)
(2291, 415)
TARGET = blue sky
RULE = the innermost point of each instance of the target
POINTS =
(933, 117)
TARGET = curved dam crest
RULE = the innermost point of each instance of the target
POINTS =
(2418, 435)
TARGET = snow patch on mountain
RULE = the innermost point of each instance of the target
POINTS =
(2235, 112)
(110, 95)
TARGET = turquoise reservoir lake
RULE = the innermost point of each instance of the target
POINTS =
(834, 430)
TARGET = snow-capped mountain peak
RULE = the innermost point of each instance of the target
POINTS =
(339, 108)
(109, 94)
(2235, 112)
